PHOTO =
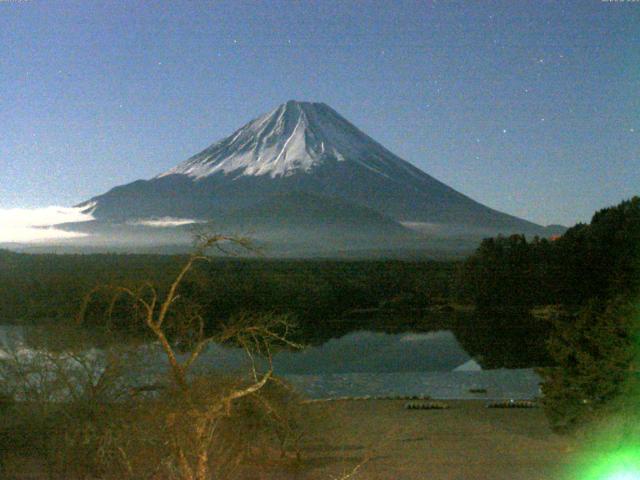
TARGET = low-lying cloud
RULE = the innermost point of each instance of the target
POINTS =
(27, 225)
(164, 222)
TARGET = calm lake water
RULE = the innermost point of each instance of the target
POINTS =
(365, 363)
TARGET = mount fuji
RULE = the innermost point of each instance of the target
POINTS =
(303, 171)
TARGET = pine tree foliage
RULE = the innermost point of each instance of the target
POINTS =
(596, 351)
(591, 277)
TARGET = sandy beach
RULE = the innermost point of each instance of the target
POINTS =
(466, 441)
(382, 440)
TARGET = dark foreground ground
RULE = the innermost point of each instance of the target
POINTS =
(380, 439)
(467, 441)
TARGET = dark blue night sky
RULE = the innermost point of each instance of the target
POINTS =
(530, 107)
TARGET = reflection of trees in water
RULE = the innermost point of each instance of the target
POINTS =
(314, 332)
(506, 339)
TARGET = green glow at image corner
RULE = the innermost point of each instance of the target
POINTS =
(622, 465)
(624, 475)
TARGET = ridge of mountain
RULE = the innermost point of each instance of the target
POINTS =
(302, 148)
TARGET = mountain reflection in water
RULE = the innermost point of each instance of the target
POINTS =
(372, 352)
(442, 358)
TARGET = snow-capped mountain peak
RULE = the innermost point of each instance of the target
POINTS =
(293, 138)
(299, 149)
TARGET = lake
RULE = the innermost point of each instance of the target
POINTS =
(367, 363)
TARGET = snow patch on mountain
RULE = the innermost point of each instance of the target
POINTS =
(303, 147)
(293, 138)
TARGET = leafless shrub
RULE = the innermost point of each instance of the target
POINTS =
(202, 426)
(88, 412)
(62, 390)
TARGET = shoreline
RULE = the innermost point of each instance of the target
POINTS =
(465, 441)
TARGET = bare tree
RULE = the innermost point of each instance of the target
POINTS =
(61, 389)
(196, 418)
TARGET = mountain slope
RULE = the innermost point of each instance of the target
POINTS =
(300, 147)
(302, 210)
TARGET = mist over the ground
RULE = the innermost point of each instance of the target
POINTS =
(29, 225)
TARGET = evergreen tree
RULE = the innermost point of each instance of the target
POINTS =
(595, 352)
(508, 272)
(593, 272)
